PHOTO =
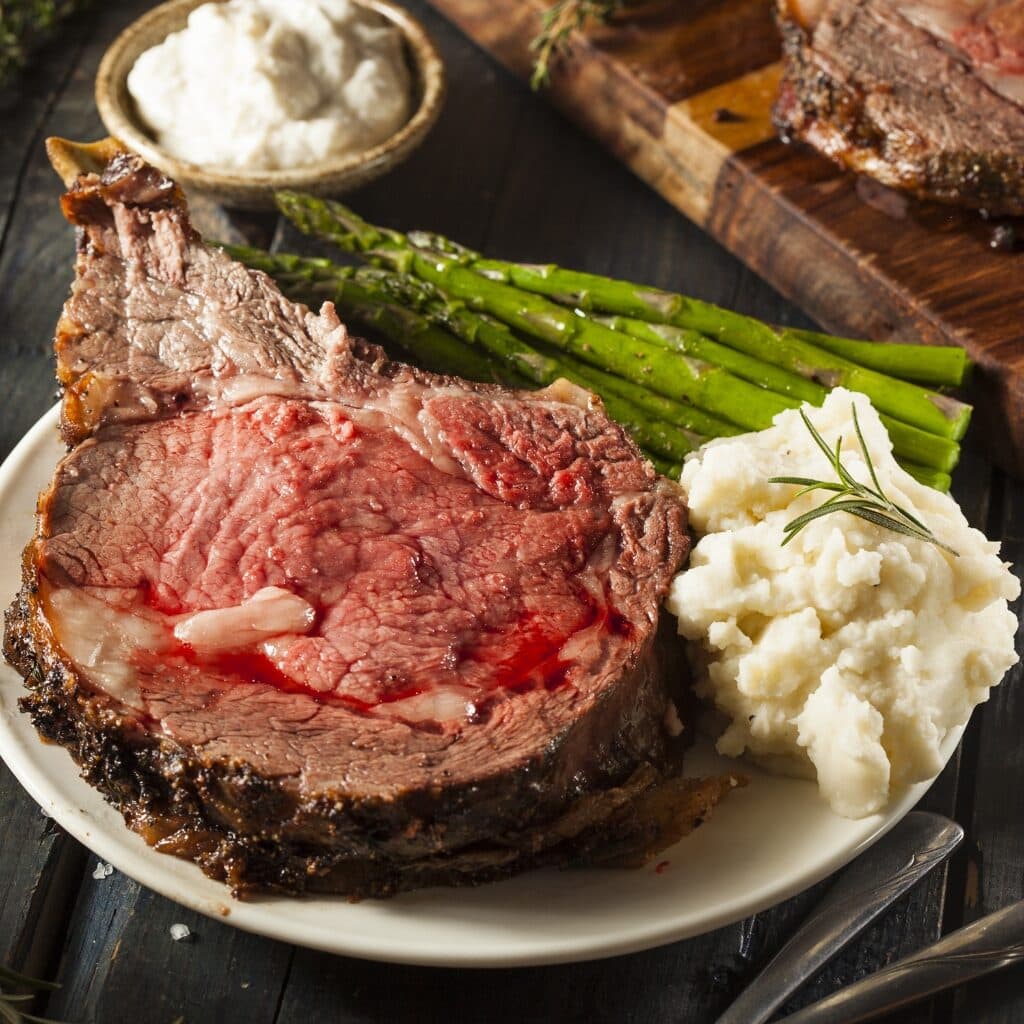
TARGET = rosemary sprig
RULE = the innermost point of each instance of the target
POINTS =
(9, 1002)
(869, 503)
(562, 19)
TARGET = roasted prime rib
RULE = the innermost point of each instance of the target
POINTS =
(924, 95)
(316, 619)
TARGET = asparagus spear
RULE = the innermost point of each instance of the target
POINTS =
(932, 412)
(502, 342)
(938, 414)
(677, 377)
(757, 371)
(911, 442)
(933, 478)
(938, 366)
(673, 438)
(698, 425)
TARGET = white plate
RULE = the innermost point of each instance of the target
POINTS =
(764, 844)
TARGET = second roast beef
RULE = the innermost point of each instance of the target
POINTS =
(313, 618)
(924, 95)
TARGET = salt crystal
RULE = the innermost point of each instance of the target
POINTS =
(180, 932)
(102, 870)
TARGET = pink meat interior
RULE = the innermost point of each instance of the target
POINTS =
(466, 573)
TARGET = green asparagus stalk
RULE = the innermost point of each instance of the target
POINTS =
(670, 374)
(499, 339)
(691, 343)
(936, 413)
(938, 366)
(912, 442)
(908, 402)
(934, 478)
(502, 342)
(697, 424)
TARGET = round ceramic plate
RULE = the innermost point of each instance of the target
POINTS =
(767, 841)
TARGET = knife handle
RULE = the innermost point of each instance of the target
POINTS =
(873, 882)
(989, 944)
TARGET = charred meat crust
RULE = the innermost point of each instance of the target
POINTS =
(875, 127)
(250, 832)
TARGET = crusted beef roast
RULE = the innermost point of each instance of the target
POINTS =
(924, 95)
(313, 618)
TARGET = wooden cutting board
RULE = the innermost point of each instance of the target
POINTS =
(681, 91)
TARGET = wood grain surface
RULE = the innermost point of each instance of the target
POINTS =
(682, 93)
(505, 173)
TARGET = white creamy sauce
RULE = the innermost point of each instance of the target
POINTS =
(852, 652)
(274, 84)
(270, 612)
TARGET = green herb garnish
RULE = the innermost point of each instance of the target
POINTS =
(9, 1001)
(868, 503)
(559, 22)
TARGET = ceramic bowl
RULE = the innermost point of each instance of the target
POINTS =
(254, 190)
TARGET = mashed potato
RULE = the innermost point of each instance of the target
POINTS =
(853, 651)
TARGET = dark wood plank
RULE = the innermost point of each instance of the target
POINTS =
(39, 870)
(120, 962)
(39, 864)
(25, 103)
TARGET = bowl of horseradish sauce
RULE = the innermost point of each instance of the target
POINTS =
(240, 98)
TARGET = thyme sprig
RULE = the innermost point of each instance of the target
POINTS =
(559, 22)
(869, 503)
(10, 1001)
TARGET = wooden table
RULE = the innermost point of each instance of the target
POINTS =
(504, 173)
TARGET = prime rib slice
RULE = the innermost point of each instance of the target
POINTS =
(313, 618)
(924, 95)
